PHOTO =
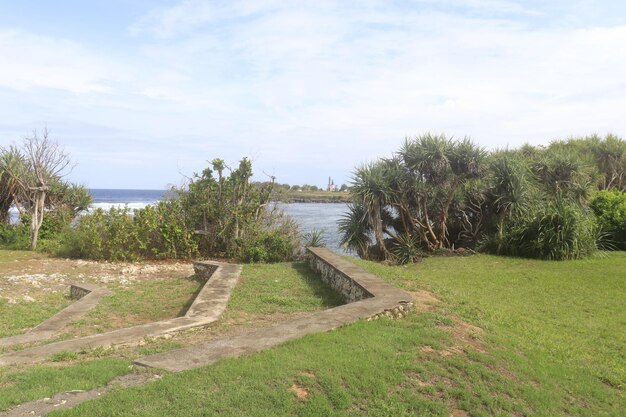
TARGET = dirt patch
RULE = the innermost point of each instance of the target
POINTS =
(424, 301)
(32, 280)
(299, 392)
(459, 413)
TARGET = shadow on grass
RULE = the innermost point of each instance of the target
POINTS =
(328, 296)
(192, 278)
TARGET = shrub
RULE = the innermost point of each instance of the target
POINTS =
(267, 246)
(558, 231)
(610, 210)
(407, 249)
(155, 232)
(14, 236)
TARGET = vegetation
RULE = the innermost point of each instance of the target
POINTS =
(32, 181)
(437, 193)
(265, 293)
(508, 337)
(219, 213)
(610, 210)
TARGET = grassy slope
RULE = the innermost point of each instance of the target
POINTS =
(553, 345)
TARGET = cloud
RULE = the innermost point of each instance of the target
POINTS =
(34, 61)
(322, 86)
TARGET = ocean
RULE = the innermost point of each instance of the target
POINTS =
(310, 216)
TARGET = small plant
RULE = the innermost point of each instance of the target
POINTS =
(315, 238)
(406, 249)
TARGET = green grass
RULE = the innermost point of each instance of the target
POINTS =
(264, 293)
(553, 345)
(272, 289)
(146, 301)
(15, 318)
(19, 385)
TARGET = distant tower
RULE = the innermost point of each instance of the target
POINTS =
(331, 185)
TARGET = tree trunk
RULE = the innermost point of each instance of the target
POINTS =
(36, 217)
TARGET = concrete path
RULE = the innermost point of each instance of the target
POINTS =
(207, 307)
(378, 297)
(88, 297)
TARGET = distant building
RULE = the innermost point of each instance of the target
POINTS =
(331, 185)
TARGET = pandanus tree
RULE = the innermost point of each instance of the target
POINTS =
(408, 197)
(12, 165)
(43, 163)
(439, 168)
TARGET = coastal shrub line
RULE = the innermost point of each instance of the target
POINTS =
(439, 194)
(219, 213)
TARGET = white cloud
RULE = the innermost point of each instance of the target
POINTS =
(33, 61)
(325, 85)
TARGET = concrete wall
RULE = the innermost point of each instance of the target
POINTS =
(338, 280)
(204, 269)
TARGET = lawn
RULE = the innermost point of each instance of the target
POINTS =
(508, 337)
(141, 293)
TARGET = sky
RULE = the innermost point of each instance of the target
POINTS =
(143, 93)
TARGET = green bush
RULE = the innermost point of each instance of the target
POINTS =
(610, 210)
(14, 236)
(268, 246)
(559, 230)
(155, 232)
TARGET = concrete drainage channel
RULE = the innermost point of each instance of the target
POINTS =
(207, 307)
(367, 295)
(88, 297)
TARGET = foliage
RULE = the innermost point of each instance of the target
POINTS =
(406, 249)
(413, 193)
(220, 213)
(315, 238)
(32, 180)
(557, 231)
(14, 236)
(607, 155)
(610, 210)
(155, 232)
(440, 193)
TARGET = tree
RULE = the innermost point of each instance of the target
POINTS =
(44, 163)
(11, 161)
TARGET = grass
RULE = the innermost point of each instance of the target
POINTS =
(264, 293)
(147, 301)
(19, 385)
(509, 337)
(552, 345)
(18, 317)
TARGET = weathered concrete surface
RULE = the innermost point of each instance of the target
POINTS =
(376, 297)
(211, 301)
(89, 297)
(208, 305)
